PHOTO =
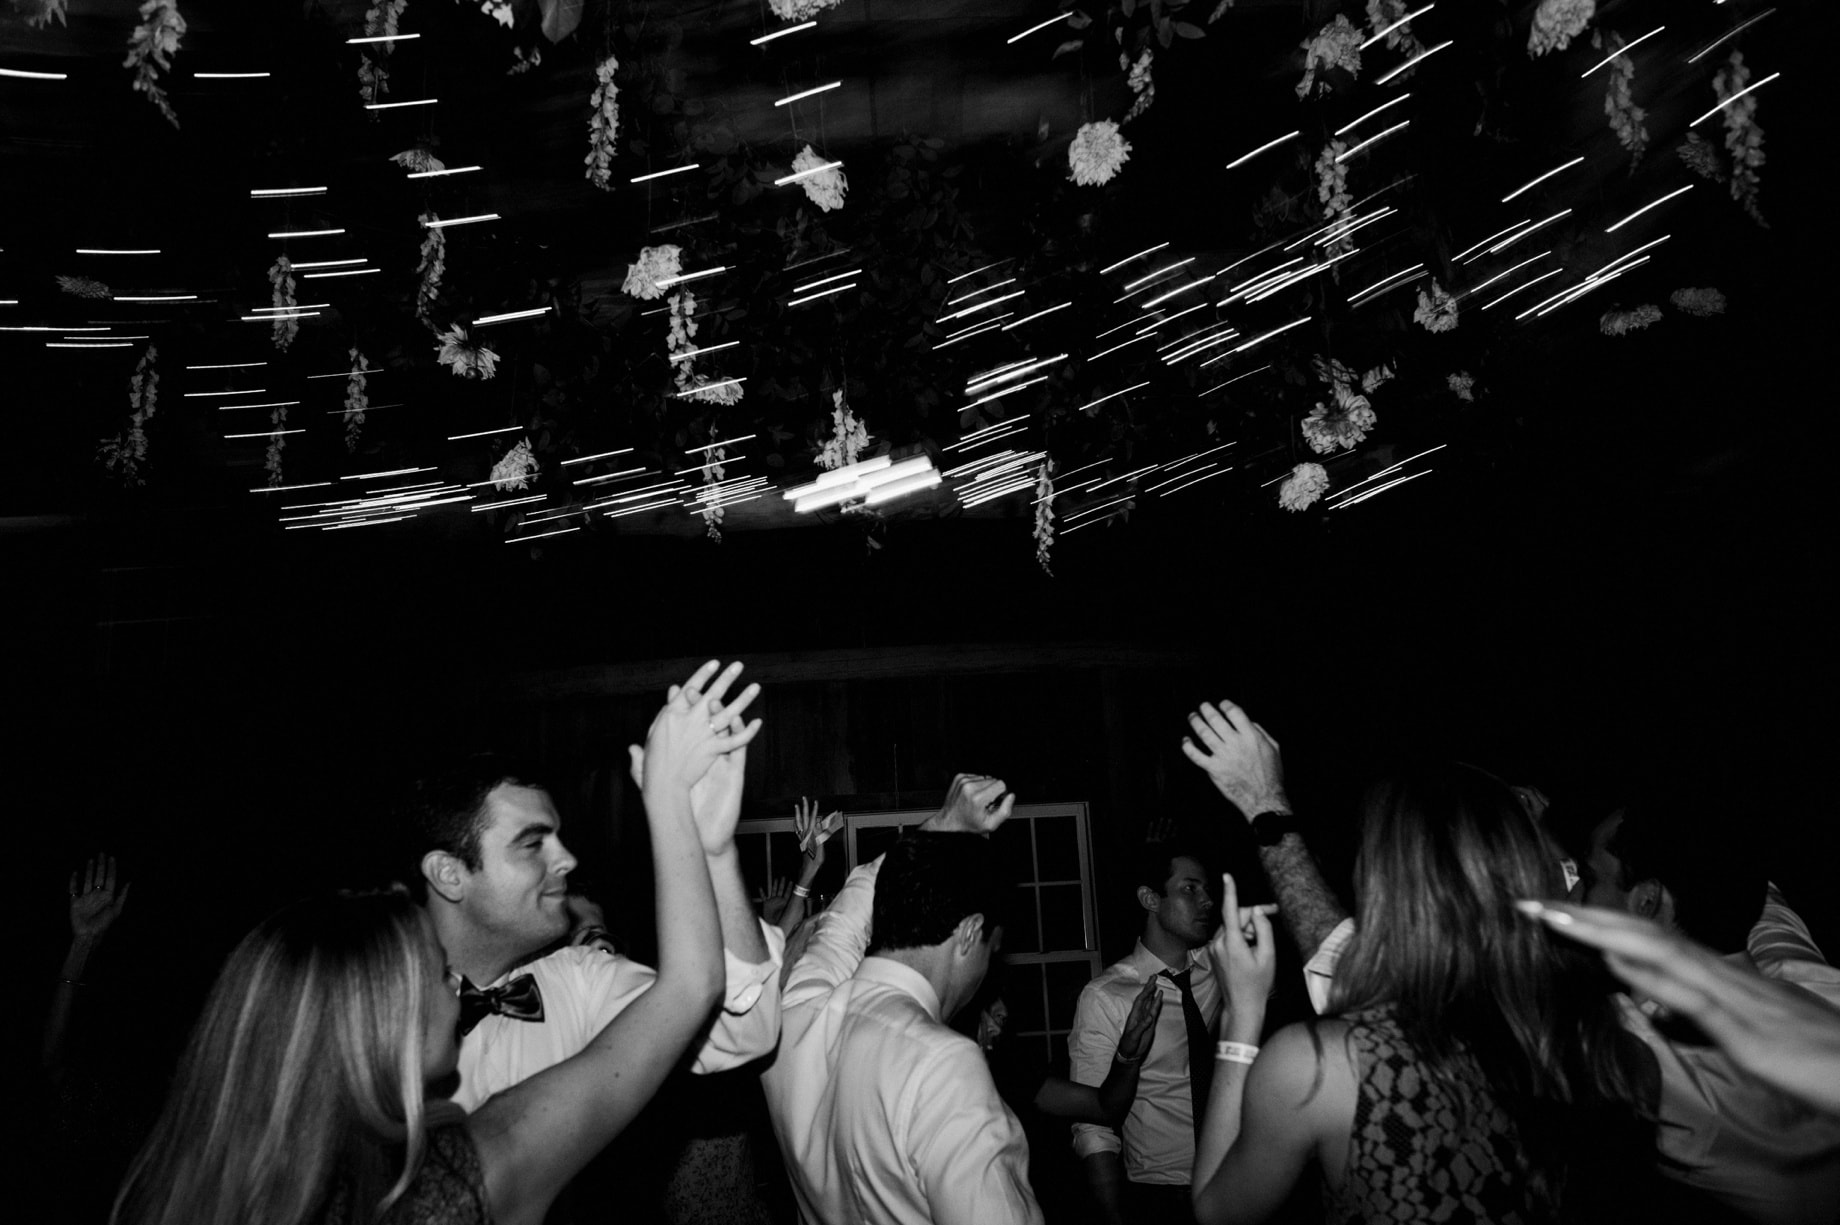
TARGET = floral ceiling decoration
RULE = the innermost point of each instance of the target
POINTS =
(124, 454)
(1067, 344)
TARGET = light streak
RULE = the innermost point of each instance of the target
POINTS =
(1491, 238)
(961, 276)
(1182, 289)
(120, 250)
(767, 38)
(1622, 50)
(796, 175)
(981, 305)
(535, 497)
(290, 488)
(823, 293)
(303, 233)
(583, 459)
(1383, 33)
(327, 263)
(1038, 314)
(1188, 310)
(380, 38)
(1509, 241)
(225, 408)
(726, 442)
(443, 224)
(1127, 259)
(1243, 158)
(1181, 477)
(532, 313)
(272, 318)
(1341, 493)
(1721, 106)
(688, 354)
(659, 174)
(561, 531)
(997, 395)
(228, 76)
(1538, 179)
(807, 93)
(228, 366)
(436, 174)
(483, 433)
(1095, 357)
(315, 276)
(974, 293)
(389, 106)
(826, 280)
(1510, 272)
(694, 392)
(1016, 370)
(1348, 153)
(159, 297)
(1349, 127)
(1016, 38)
(1236, 378)
(1383, 280)
(968, 333)
(365, 476)
(1191, 350)
(108, 344)
(251, 391)
(1352, 226)
(266, 434)
(1274, 332)
(1663, 200)
(1087, 408)
(1413, 62)
(1696, 56)
(1159, 272)
(1380, 489)
(23, 75)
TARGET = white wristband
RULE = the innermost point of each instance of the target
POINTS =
(800, 891)
(1236, 1052)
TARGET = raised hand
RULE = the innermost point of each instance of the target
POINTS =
(1244, 968)
(1158, 830)
(692, 731)
(95, 903)
(1239, 756)
(813, 832)
(773, 903)
(1140, 1024)
(976, 804)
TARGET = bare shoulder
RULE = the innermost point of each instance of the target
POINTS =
(1307, 1067)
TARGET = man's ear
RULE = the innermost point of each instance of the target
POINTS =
(1148, 898)
(968, 934)
(1645, 899)
(445, 874)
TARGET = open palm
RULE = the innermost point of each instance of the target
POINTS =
(95, 901)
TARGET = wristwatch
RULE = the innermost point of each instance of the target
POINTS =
(1269, 828)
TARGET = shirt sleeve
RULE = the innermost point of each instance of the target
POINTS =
(1319, 970)
(748, 1025)
(839, 940)
(1097, 1026)
(969, 1150)
(1780, 934)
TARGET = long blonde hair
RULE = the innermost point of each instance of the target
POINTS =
(300, 1094)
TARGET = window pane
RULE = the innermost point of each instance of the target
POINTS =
(1059, 1063)
(1063, 918)
(1011, 843)
(753, 849)
(787, 859)
(1022, 992)
(1057, 848)
(875, 840)
(1020, 933)
(1066, 979)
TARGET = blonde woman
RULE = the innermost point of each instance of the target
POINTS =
(303, 1097)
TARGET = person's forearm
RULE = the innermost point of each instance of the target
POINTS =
(689, 935)
(741, 933)
(1105, 1178)
(1310, 908)
(1226, 1097)
(63, 1000)
(1119, 1089)
(796, 905)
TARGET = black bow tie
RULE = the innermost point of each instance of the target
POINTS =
(520, 999)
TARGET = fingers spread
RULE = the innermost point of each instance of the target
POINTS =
(716, 691)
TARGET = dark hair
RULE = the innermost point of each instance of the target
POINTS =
(1683, 834)
(445, 810)
(1156, 863)
(928, 883)
(1445, 853)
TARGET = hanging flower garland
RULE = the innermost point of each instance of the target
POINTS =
(431, 268)
(150, 49)
(678, 341)
(124, 453)
(1626, 118)
(498, 10)
(1143, 87)
(523, 61)
(1341, 428)
(1384, 13)
(825, 185)
(84, 287)
(277, 441)
(712, 512)
(380, 21)
(1621, 323)
(1332, 191)
(1743, 137)
(1557, 22)
(654, 264)
(603, 125)
(1044, 515)
(1437, 312)
(515, 468)
(1302, 488)
(1700, 303)
(849, 436)
(48, 11)
(281, 278)
(357, 398)
(1336, 45)
(1702, 158)
(1097, 153)
(800, 10)
(1462, 385)
(468, 359)
(418, 161)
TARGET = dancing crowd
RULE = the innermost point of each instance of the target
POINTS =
(1532, 1013)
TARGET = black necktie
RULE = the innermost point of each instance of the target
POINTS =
(520, 999)
(1200, 1047)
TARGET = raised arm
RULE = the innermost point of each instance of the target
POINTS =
(535, 1136)
(1243, 762)
(813, 832)
(1108, 1102)
(95, 904)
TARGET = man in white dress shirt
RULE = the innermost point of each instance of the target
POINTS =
(1140, 1172)
(887, 1116)
(494, 876)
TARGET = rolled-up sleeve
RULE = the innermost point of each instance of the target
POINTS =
(747, 1026)
(1319, 970)
(1097, 1025)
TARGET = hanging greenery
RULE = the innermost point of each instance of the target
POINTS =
(1627, 119)
(281, 282)
(151, 48)
(1743, 136)
(277, 442)
(603, 125)
(1044, 515)
(127, 451)
(380, 21)
(357, 398)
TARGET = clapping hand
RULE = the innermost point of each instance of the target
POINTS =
(698, 743)
(774, 901)
(1239, 756)
(813, 832)
(977, 804)
(1140, 1023)
(95, 903)
(1244, 967)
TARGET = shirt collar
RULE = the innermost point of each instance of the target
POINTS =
(903, 978)
(1149, 965)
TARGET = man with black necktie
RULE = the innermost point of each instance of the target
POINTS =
(1140, 1172)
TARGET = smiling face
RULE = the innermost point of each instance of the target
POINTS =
(1184, 909)
(517, 898)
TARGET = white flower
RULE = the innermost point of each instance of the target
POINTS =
(468, 359)
(1436, 313)
(655, 264)
(1702, 303)
(1097, 153)
(514, 468)
(500, 11)
(1621, 323)
(825, 187)
(431, 268)
(357, 399)
(150, 49)
(800, 10)
(1332, 190)
(1463, 385)
(1301, 489)
(849, 436)
(1330, 430)
(1336, 45)
(1743, 137)
(1044, 515)
(418, 160)
(1377, 377)
(1626, 118)
(1557, 22)
(84, 287)
(281, 278)
(712, 511)
(603, 126)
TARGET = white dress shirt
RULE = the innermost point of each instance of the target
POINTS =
(1158, 1143)
(885, 1115)
(584, 988)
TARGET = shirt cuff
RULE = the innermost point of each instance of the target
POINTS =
(1089, 1140)
(746, 980)
(1319, 970)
